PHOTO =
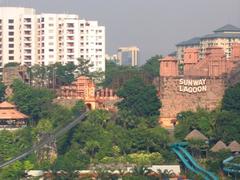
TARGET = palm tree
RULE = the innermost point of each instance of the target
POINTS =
(166, 174)
(141, 171)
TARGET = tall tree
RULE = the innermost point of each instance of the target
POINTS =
(83, 67)
(2, 91)
(152, 66)
(138, 98)
(64, 73)
(231, 99)
(32, 101)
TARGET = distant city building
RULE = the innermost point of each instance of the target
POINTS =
(111, 57)
(30, 38)
(128, 56)
(223, 37)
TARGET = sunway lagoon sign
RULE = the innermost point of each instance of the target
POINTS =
(192, 85)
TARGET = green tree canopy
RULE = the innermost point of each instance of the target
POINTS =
(152, 66)
(227, 126)
(231, 99)
(32, 101)
(138, 98)
(2, 91)
(202, 120)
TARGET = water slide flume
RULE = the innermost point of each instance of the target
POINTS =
(190, 163)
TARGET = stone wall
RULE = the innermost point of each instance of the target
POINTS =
(175, 101)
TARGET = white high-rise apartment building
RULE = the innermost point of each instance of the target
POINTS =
(30, 38)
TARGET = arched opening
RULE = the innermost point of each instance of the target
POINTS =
(89, 106)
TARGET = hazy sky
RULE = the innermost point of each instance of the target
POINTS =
(155, 26)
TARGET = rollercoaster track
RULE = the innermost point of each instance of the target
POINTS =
(190, 163)
(46, 140)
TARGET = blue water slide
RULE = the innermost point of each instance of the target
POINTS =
(190, 163)
(192, 160)
(185, 162)
(230, 167)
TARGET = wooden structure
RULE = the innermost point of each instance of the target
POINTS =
(10, 117)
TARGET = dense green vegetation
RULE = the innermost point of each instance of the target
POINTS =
(132, 135)
(2, 91)
(220, 124)
(116, 75)
(55, 75)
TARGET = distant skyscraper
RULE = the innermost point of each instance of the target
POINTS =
(30, 38)
(128, 56)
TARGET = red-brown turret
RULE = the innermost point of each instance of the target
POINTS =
(168, 67)
(190, 58)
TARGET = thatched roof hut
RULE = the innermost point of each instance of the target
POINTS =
(219, 146)
(196, 135)
(234, 146)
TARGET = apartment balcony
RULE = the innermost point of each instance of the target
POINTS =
(70, 38)
(28, 26)
(70, 25)
(27, 51)
(27, 58)
(27, 33)
(27, 20)
(27, 39)
(70, 44)
(27, 46)
(70, 56)
(70, 51)
(70, 31)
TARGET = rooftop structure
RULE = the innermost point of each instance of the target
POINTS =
(85, 89)
(222, 37)
(196, 135)
(219, 146)
(234, 146)
(10, 117)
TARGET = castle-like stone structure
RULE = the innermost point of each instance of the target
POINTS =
(85, 89)
(201, 84)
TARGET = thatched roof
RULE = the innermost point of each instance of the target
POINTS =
(219, 146)
(196, 135)
(234, 146)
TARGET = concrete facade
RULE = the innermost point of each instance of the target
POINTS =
(128, 56)
(30, 38)
(223, 37)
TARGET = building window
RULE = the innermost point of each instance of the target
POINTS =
(51, 50)
(50, 25)
(11, 45)
(11, 57)
(10, 39)
(10, 52)
(11, 27)
(10, 21)
(10, 33)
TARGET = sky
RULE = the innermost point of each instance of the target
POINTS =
(155, 26)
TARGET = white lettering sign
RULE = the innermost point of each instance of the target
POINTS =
(192, 85)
